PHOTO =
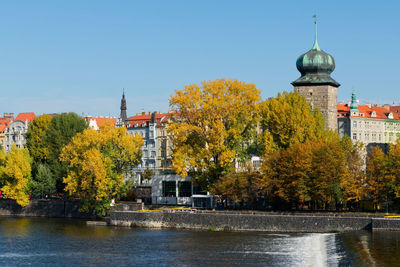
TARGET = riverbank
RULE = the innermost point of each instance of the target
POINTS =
(251, 222)
(55, 208)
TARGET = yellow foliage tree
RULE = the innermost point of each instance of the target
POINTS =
(212, 123)
(97, 164)
(240, 187)
(15, 173)
(354, 183)
(317, 171)
(378, 182)
(35, 142)
(290, 120)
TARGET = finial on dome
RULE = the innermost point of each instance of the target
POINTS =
(315, 46)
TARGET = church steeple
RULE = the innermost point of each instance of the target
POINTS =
(123, 116)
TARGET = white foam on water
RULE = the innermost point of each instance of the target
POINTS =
(316, 248)
(305, 250)
(22, 255)
(312, 250)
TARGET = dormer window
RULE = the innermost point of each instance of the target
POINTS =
(136, 124)
(144, 124)
(373, 114)
(390, 115)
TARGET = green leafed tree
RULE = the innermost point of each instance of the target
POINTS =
(62, 128)
(43, 182)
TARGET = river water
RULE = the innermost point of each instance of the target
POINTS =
(61, 242)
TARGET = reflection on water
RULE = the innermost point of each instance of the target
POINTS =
(14, 227)
(378, 248)
(60, 242)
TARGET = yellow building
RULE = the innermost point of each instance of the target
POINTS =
(164, 143)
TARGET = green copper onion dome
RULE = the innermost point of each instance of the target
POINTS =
(315, 67)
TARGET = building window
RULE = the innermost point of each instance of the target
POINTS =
(185, 189)
(169, 189)
(256, 163)
(153, 154)
(354, 136)
(354, 124)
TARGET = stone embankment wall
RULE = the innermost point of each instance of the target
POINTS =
(43, 208)
(250, 222)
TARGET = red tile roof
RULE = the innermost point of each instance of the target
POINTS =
(366, 111)
(28, 116)
(4, 122)
(146, 118)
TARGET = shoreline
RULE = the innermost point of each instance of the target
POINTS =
(252, 222)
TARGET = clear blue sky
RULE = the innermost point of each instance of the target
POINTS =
(59, 56)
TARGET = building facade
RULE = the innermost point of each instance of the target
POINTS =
(372, 125)
(316, 84)
(156, 143)
(4, 123)
(16, 130)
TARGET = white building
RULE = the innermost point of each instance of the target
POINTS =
(148, 126)
(16, 130)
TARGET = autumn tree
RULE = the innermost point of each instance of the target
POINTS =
(378, 183)
(315, 171)
(35, 142)
(393, 170)
(15, 173)
(62, 128)
(353, 184)
(328, 172)
(239, 187)
(286, 173)
(213, 123)
(97, 162)
(288, 119)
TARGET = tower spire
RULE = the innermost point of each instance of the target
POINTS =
(123, 116)
(315, 46)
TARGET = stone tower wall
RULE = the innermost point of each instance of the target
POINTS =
(323, 97)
